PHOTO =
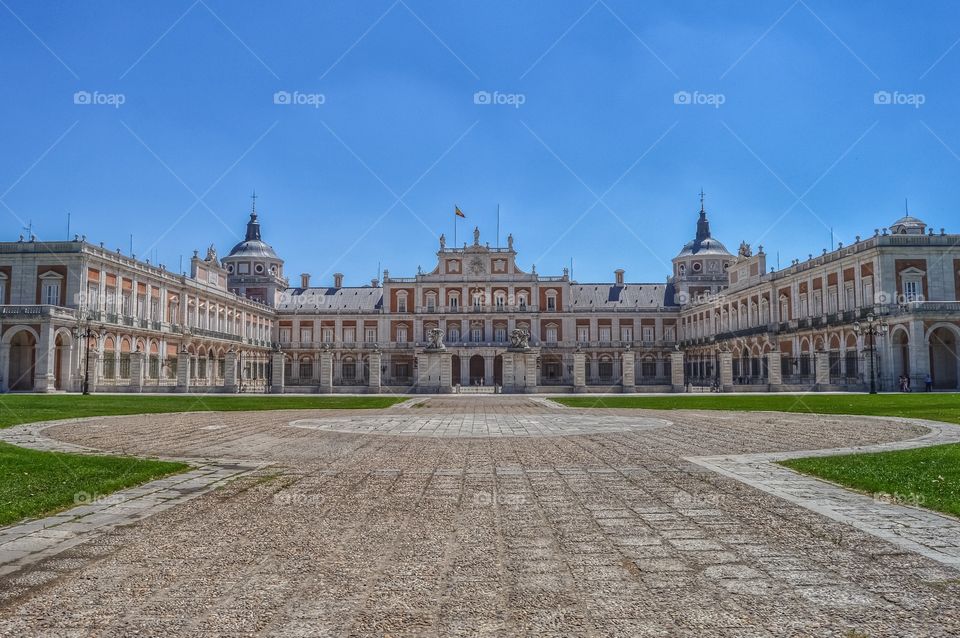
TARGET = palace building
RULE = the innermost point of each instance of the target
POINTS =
(75, 315)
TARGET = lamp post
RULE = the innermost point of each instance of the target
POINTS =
(873, 328)
(83, 330)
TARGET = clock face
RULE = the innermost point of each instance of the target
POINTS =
(476, 266)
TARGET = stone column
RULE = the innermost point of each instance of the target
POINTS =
(629, 368)
(508, 372)
(919, 353)
(446, 372)
(488, 369)
(276, 373)
(44, 380)
(774, 371)
(579, 372)
(4, 367)
(821, 361)
(530, 372)
(676, 371)
(183, 371)
(726, 371)
(137, 360)
(326, 372)
(373, 383)
(230, 371)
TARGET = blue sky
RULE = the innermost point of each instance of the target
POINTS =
(589, 156)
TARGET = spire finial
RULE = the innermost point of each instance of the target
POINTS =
(906, 207)
(253, 202)
(701, 200)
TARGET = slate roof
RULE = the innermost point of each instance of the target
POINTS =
(360, 298)
(607, 296)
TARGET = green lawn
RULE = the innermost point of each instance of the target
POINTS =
(929, 477)
(921, 405)
(36, 483)
(28, 408)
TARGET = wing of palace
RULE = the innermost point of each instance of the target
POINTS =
(75, 314)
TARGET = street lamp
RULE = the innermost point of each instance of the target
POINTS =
(873, 328)
(86, 332)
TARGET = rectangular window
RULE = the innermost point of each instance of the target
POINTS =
(583, 334)
(285, 335)
(51, 293)
(371, 335)
(626, 333)
(500, 335)
(401, 334)
(349, 335)
(552, 334)
(402, 304)
(523, 303)
(499, 303)
(306, 334)
(669, 333)
(93, 295)
(911, 290)
(648, 333)
(605, 334)
(551, 303)
(454, 303)
(328, 335)
(476, 335)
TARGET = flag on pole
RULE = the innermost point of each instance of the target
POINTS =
(458, 212)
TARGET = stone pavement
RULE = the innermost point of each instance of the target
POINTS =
(602, 532)
(883, 515)
(27, 543)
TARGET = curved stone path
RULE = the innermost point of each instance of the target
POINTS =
(595, 527)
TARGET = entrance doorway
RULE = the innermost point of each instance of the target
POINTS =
(23, 358)
(477, 370)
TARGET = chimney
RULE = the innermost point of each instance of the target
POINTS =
(618, 276)
(338, 280)
(374, 283)
(304, 280)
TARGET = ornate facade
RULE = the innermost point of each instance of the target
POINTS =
(74, 313)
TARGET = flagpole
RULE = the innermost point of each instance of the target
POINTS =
(455, 226)
(498, 224)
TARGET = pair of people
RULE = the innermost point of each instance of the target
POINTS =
(904, 383)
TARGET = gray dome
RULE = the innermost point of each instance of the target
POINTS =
(703, 244)
(908, 225)
(252, 245)
(700, 248)
(253, 248)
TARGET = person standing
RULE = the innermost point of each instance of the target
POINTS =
(928, 382)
